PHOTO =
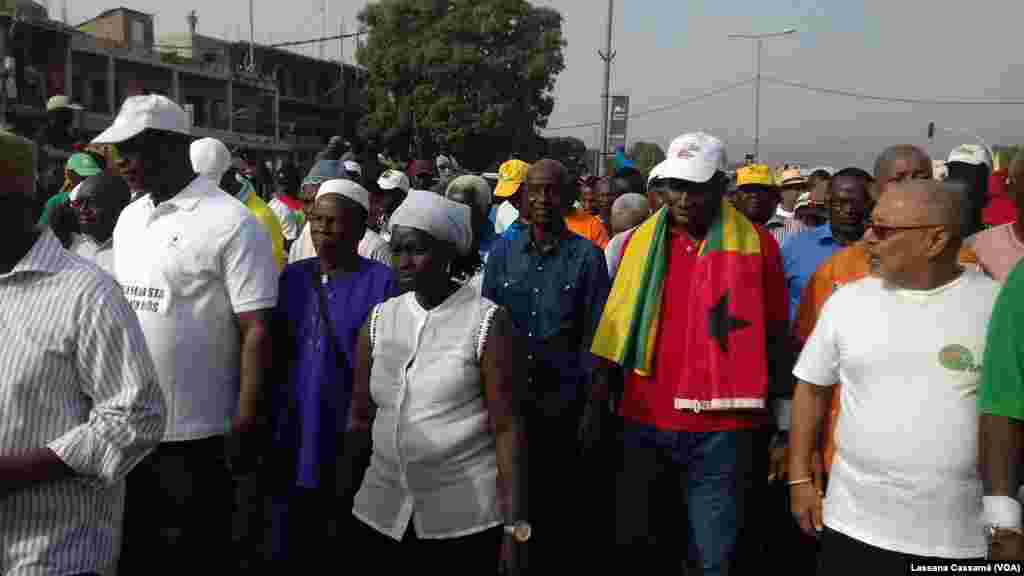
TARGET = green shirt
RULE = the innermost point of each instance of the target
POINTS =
(51, 205)
(1002, 381)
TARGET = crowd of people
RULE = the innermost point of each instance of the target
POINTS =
(696, 370)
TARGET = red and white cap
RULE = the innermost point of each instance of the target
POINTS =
(694, 157)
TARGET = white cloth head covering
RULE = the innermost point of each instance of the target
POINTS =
(438, 216)
(210, 158)
(346, 188)
(476, 186)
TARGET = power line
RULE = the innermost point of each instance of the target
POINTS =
(318, 40)
(657, 109)
(894, 99)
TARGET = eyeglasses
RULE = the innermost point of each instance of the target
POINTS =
(884, 232)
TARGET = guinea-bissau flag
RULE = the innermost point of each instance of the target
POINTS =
(727, 365)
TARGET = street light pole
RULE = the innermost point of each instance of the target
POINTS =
(607, 56)
(758, 39)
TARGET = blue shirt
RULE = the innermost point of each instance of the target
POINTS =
(487, 238)
(801, 256)
(312, 373)
(555, 300)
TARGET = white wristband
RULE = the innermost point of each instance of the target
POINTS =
(1001, 511)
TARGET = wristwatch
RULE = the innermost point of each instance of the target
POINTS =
(520, 531)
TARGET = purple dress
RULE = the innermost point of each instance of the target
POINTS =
(313, 374)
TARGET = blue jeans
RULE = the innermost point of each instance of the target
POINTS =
(664, 473)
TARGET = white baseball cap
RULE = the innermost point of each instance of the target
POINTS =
(392, 179)
(61, 102)
(694, 157)
(347, 188)
(973, 154)
(149, 112)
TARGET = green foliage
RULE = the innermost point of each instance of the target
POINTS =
(473, 77)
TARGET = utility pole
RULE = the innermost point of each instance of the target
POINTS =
(758, 38)
(6, 23)
(252, 39)
(607, 56)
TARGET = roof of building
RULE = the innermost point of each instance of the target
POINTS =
(112, 11)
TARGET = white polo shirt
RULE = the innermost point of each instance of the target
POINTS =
(905, 474)
(188, 266)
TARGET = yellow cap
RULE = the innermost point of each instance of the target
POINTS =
(510, 176)
(755, 174)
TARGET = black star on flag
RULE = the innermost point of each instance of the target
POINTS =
(721, 324)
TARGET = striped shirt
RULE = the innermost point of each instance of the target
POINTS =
(76, 377)
(782, 228)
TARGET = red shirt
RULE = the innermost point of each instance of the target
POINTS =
(650, 400)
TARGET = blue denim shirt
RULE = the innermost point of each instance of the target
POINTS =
(555, 300)
(801, 256)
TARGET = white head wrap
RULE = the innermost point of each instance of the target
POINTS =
(437, 216)
(210, 158)
(476, 186)
(347, 189)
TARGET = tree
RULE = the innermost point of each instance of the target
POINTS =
(646, 155)
(474, 77)
(568, 150)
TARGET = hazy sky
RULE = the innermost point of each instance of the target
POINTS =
(670, 50)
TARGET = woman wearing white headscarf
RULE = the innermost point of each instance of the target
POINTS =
(437, 367)
(475, 192)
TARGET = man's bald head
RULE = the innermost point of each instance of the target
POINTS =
(629, 210)
(925, 203)
(899, 163)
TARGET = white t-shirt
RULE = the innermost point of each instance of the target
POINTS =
(100, 254)
(505, 216)
(372, 247)
(188, 267)
(905, 476)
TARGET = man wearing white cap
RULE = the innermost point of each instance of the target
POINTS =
(697, 320)
(323, 303)
(59, 130)
(970, 165)
(199, 271)
(392, 187)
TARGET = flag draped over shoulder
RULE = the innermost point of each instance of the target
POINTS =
(725, 337)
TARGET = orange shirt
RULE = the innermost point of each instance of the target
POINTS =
(588, 226)
(847, 265)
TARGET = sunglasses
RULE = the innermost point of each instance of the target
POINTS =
(885, 232)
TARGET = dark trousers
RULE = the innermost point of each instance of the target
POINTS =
(684, 496)
(841, 555)
(178, 511)
(473, 555)
(561, 500)
(309, 524)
